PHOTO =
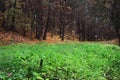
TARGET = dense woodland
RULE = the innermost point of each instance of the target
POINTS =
(85, 20)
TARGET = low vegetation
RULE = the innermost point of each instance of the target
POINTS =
(68, 61)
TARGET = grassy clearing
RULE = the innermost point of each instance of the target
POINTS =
(73, 61)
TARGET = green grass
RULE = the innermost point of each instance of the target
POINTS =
(70, 61)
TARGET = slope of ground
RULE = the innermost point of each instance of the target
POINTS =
(13, 37)
(7, 37)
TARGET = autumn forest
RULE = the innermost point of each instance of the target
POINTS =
(59, 39)
(83, 20)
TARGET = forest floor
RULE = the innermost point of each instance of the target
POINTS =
(69, 61)
(7, 37)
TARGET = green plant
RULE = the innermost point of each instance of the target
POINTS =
(73, 61)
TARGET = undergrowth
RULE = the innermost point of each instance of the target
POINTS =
(73, 61)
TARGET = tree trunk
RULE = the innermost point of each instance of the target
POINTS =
(46, 28)
(63, 32)
(3, 22)
(47, 24)
(32, 27)
(39, 19)
(118, 33)
(12, 27)
(39, 28)
(83, 31)
(78, 29)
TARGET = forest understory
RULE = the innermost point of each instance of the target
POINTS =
(9, 37)
(59, 21)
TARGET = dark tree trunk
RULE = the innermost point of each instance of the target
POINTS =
(118, 33)
(39, 19)
(12, 27)
(60, 31)
(32, 27)
(3, 22)
(2, 9)
(32, 7)
(47, 24)
(63, 17)
(78, 29)
(39, 28)
(83, 31)
(46, 28)
(63, 32)
(89, 33)
(119, 39)
(38, 32)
